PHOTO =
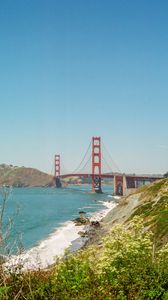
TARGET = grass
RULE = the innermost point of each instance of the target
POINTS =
(154, 210)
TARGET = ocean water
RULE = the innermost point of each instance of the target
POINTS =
(41, 217)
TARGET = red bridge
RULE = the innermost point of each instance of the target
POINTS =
(122, 182)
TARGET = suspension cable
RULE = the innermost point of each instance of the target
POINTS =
(63, 168)
(86, 163)
(75, 171)
(107, 164)
(114, 163)
(52, 170)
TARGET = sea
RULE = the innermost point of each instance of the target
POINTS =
(38, 221)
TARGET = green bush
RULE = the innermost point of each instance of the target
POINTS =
(75, 277)
(130, 268)
(125, 267)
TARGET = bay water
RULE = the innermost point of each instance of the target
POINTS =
(40, 217)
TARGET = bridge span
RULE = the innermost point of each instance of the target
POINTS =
(122, 183)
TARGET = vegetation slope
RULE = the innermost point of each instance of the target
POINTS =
(150, 202)
(128, 260)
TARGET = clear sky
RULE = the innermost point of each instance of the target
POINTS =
(73, 69)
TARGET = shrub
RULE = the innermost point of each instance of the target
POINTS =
(75, 277)
(126, 267)
(129, 266)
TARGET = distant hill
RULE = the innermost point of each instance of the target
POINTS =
(23, 177)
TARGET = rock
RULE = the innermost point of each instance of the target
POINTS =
(83, 233)
(95, 223)
(81, 221)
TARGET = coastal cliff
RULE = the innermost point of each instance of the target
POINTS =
(149, 202)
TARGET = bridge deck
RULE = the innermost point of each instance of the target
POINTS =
(135, 177)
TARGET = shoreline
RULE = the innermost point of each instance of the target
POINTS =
(44, 255)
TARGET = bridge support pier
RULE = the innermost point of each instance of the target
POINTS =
(124, 185)
(120, 185)
(57, 171)
(58, 183)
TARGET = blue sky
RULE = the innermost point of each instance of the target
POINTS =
(70, 70)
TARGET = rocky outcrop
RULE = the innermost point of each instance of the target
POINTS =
(82, 219)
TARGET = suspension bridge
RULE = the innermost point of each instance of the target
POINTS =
(122, 183)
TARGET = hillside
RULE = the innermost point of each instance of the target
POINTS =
(23, 177)
(149, 202)
(125, 262)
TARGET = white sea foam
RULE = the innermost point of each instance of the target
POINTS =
(117, 197)
(54, 246)
(46, 252)
(97, 216)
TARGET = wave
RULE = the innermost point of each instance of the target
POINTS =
(97, 216)
(67, 236)
(44, 254)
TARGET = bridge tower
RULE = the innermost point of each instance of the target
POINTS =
(57, 169)
(96, 165)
